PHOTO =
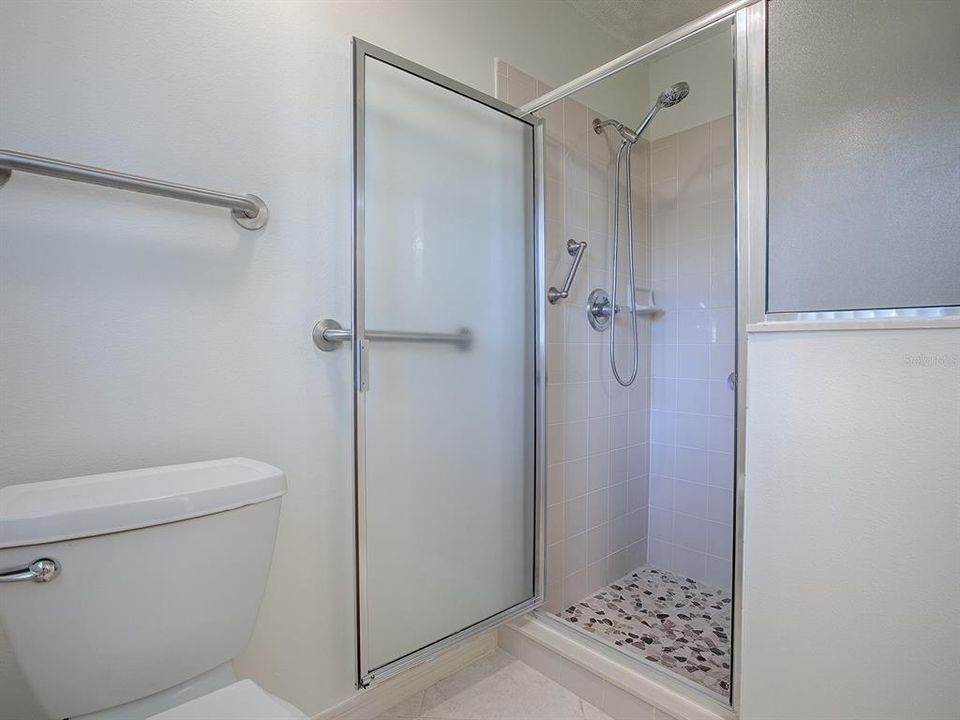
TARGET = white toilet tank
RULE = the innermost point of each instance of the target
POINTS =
(161, 572)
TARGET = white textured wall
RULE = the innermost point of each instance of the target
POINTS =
(851, 577)
(140, 331)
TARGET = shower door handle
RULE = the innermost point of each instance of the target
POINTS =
(576, 249)
(328, 335)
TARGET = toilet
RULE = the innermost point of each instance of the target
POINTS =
(127, 595)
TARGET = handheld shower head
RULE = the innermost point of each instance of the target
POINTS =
(668, 98)
(673, 94)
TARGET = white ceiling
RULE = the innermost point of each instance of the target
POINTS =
(638, 21)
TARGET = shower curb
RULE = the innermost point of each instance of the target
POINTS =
(552, 652)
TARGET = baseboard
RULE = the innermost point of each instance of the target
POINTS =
(670, 699)
(369, 704)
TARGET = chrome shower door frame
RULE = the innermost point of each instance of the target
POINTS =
(750, 221)
(366, 675)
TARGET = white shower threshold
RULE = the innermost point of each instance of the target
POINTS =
(610, 687)
(593, 670)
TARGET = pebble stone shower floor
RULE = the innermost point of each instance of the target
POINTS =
(676, 622)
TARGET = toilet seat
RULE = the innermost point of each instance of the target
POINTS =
(243, 700)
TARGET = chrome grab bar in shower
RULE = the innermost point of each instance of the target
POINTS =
(329, 334)
(576, 249)
(248, 211)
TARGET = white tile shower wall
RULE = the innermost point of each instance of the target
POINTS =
(597, 435)
(692, 405)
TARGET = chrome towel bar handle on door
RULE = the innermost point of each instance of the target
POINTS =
(576, 249)
(328, 334)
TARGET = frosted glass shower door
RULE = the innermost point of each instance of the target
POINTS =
(448, 353)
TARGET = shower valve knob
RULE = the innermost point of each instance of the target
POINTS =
(599, 309)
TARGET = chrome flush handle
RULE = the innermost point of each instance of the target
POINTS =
(41, 571)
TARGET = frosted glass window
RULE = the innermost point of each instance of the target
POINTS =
(864, 132)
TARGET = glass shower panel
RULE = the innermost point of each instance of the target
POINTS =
(448, 256)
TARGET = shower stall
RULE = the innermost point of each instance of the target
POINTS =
(641, 357)
(568, 452)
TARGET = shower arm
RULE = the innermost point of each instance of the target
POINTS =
(631, 136)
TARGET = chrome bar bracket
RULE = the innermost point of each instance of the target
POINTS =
(244, 219)
(331, 342)
(576, 249)
(39, 571)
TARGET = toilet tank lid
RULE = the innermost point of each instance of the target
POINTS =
(54, 510)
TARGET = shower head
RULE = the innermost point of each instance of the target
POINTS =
(673, 95)
(668, 98)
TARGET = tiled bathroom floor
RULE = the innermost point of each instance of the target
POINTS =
(496, 687)
(676, 622)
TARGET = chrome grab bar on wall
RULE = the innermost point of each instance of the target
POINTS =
(576, 249)
(328, 334)
(249, 211)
